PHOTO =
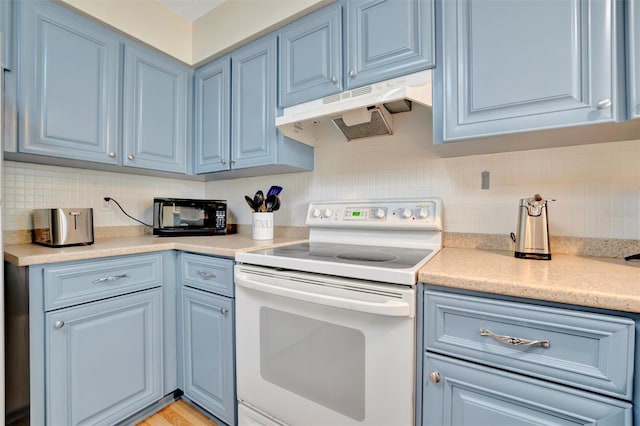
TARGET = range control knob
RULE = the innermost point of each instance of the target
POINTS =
(379, 213)
(423, 213)
(328, 213)
(406, 213)
(315, 213)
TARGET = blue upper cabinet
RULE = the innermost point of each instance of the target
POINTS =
(311, 57)
(253, 145)
(387, 38)
(253, 103)
(155, 115)
(68, 86)
(633, 57)
(212, 131)
(6, 28)
(501, 71)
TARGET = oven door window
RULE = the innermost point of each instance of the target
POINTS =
(299, 354)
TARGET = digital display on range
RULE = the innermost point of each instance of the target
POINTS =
(355, 214)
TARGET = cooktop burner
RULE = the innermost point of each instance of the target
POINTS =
(377, 240)
(387, 257)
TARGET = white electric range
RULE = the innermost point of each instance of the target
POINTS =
(325, 330)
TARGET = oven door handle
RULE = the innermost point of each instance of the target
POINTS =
(393, 308)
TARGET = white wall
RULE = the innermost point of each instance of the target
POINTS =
(146, 20)
(597, 187)
(236, 21)
(227, 26)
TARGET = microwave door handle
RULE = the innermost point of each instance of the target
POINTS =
(393, 308)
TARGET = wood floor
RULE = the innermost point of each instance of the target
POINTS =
(180, 413)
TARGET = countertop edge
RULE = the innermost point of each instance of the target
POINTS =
(582, 281)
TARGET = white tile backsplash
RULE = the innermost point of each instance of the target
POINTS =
(32, 186)
(596, 187)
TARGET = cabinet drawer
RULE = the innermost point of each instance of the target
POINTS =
(210, 274)
(74, 283)
(587, 350)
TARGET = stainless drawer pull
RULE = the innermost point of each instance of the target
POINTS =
(206, 275)
(224, 311)
(109, 278)
(434, 377)
(58, 324)
(516, 341)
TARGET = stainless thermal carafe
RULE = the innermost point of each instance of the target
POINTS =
(532, 237)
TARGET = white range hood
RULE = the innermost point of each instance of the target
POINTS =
(362, 112)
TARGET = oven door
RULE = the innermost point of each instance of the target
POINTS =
(314, 349)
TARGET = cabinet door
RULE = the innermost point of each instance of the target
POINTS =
(501, 71)
(633, 57)
(68, 84)
(459, 393)
(6, 28)
(311, 57)
(155, 113)
(388, 38)
(212, 116)
(104, 359)
(253, 100)
(209, 368)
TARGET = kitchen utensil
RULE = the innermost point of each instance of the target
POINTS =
(276, 204)
(249, 201)
(258, 199)
(274, 190)
(532, 237)
(272, 203)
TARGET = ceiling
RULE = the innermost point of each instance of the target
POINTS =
(191, 9)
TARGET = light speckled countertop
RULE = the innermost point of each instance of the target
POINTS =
(222, 245)
(578, 280)
(587, 281)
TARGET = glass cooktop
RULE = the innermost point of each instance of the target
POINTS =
(384, 257)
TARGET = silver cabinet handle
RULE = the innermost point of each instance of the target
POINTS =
(352, 73)
(206, 275)
(131, 157)
(233, 161)
(434, 377)
(110, 278)
(604, 104)
(515, 341)
(334, 79)
(224, 311)
(58, 324)
(112, 154)
(223, 162)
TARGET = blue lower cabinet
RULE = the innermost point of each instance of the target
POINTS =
(104, 360)
(208, 363)
(461, 393)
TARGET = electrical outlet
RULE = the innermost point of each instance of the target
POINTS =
(104, 205)
(484, 180)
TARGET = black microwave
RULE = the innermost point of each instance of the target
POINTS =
(184, 216)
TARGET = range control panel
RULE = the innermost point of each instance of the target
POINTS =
(398, 214)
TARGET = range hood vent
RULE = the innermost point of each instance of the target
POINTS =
(358, 113)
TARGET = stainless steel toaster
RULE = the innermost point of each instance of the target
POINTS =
(63, 227)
